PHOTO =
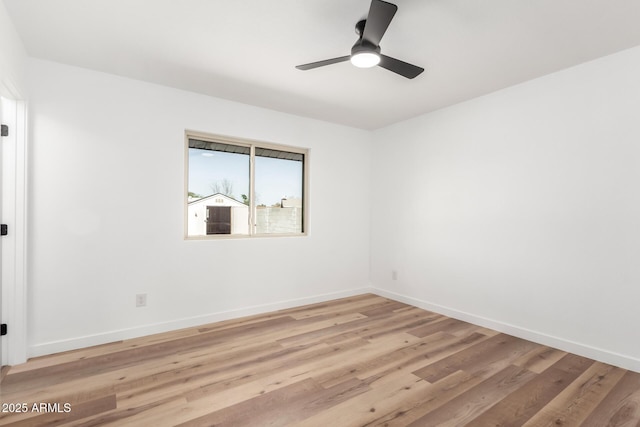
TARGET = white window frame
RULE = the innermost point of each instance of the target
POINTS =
(252, 145)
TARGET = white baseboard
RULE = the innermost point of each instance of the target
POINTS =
(122, 334)
(616, 359)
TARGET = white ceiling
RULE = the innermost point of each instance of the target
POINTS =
(246, 50)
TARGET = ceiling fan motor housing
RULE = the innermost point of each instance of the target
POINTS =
(363, 46)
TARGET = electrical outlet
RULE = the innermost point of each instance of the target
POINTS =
(394, 274)
(141, 300)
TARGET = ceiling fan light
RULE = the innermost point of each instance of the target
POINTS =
(365, 59)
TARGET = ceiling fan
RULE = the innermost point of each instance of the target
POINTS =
(366, 52)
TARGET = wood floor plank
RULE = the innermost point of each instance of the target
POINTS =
(158, 414)
(429, 350)
(371, 327)
(621, 407)
(539, 358)
(464, 408)
(267, 409)
(442, 324)
(386, 308)
(215, 397)
(360, 325)
(576, 402)
(388, 393)
(518, 407)
(283, 407)
(277, 373)
(417, 406)
(358, 361)
(497, 348)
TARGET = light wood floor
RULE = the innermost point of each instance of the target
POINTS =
(357, 361)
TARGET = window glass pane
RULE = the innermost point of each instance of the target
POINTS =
(242, 188)
(218, 185)
(278, 192)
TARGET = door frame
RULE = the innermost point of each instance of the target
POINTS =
(14, 213)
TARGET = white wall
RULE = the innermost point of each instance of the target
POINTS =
(12, 57)
(520, 210)
(108, 155)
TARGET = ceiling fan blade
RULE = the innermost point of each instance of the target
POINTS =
(380, 16)
(313, 65)
(400, 67)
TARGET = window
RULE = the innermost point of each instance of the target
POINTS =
(243, 188)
